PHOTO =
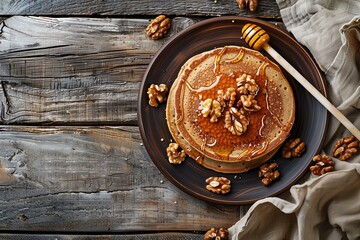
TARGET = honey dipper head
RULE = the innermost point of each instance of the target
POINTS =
(255, 36)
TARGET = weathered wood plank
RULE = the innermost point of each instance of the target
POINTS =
(89, 179)
(266, 9)
(74, 70)
(159, 236)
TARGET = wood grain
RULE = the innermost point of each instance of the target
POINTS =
(88, 179)
(266, 9)
(74, 70)
(139, 236)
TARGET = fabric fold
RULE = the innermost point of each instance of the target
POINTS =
(321, 208)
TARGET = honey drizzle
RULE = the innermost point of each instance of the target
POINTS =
(252, 149)
(199, 159)
(247, 152)
(237, 58)
(211, 144)
(201, 89)
(181, 117)
(261, 71)
(205, 142)
(262, 126)
(262, 149)
(217, 61)
(268, 107)
(202, 147)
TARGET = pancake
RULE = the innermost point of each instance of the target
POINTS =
(218, 166)
(210, 143)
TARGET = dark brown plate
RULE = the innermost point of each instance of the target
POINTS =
(310, 124)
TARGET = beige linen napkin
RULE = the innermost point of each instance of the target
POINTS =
(325, 207)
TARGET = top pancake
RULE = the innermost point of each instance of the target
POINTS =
(218, 166)
(202, 76)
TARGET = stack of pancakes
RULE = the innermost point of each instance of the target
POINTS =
(209, 143)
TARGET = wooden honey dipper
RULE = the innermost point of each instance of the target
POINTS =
(258, 39)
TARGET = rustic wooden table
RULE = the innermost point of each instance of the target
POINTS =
(72, 163)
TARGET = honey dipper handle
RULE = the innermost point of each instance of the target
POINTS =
(313, 91)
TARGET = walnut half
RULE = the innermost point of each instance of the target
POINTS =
(217, 234)
(175, 156)
(268, 172)
(293, 148)
(211, 108)
(157, 94)
(345, 148)
(158, 27)
(249, 103)
(247, 85)
(236, 121)
(219, 185)
(323, 164)
(251, 3)
(228, 97)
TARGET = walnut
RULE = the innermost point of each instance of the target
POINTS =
(219, 185)
(247, 85)
(211, 108)
(157, 94)
(175, 156)
(158, 27)
(251, 3)
(293, 148)
(228, 98)
(345, 148)
(249, 103)
(217, 234)
(323, 165)
(236, 121)
(269, 173)
(220, 98)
